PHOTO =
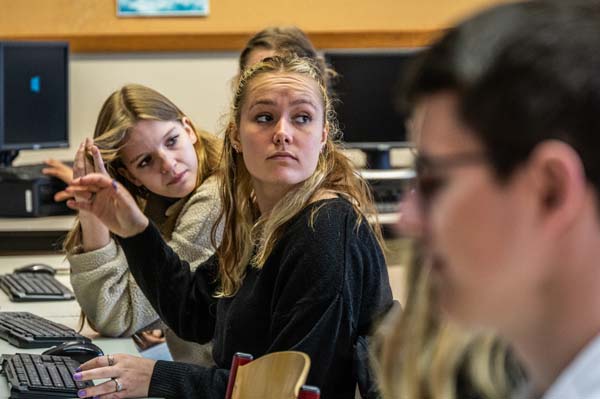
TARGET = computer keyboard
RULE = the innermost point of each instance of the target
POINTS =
(28, 287)
(23, 172)
(387, 207)
(39, 376)
(27, 172)
(26, 330)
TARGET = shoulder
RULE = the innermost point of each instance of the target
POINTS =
(330, 217)
(327, 228)
(205, 198)
(207, 191)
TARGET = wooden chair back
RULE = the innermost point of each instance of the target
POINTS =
(278, 375)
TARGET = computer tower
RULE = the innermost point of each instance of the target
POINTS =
(31, 197)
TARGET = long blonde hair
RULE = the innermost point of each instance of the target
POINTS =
(424, 355)
(119, 113)
(248, 237)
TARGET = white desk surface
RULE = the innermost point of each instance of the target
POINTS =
(65, 312)
(49, 223)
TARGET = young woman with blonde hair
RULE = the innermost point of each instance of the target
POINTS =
(150, 146)
(424, 356)
(299, 266)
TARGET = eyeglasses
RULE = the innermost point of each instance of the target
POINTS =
(431, 172)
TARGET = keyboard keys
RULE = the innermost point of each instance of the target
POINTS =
(39, 376)
(26, 330)
(22, 287)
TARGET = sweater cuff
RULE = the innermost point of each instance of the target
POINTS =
(141, 240)
(87, 261)
(168, 378)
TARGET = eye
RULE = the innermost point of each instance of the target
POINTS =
(171, 141)
(429, 186)
(304, 118)
(145, 161)
(263, 118)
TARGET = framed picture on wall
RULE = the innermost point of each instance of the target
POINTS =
(162, 8)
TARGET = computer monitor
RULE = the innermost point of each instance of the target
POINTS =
(367, 93)
(34, 80)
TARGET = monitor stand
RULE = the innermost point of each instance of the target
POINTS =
(378, 158)
(7, 157)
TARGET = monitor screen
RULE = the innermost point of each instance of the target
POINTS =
(33, 95)
(367, 89)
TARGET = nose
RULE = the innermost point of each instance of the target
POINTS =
(411, 222)
(166, 162)
(282, 133)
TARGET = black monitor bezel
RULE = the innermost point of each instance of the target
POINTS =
(373, 145)
(33, 146)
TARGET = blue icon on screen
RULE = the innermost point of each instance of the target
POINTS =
(35, 84)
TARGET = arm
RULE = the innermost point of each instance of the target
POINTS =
(108, 293)
(184, 300)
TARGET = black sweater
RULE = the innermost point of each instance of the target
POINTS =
(321, 287)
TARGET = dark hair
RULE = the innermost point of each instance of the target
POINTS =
(523, 73)
(286, 41)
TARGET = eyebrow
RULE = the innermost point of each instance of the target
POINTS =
(143, 154)
(266, 101)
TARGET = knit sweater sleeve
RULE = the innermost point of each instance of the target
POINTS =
(183, 299)
(185, 302)
(106, 290)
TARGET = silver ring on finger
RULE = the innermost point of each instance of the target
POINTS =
(118, 385)
(110, 360)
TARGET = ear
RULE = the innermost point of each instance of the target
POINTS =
(187, 126)
(559, 178)
(125, 173)
(234, 135)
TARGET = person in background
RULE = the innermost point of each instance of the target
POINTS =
(506, 111)
(299, 266)
(148, 144)
(282, 40)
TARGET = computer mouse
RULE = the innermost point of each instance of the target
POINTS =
(80, 351)
(36, 268)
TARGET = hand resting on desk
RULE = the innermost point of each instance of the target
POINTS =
(132, 373)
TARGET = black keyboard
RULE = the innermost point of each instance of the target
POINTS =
(28, 287)
(26, 330)
(38, 376)
(23, 172)
(27, 172)
(387, 207)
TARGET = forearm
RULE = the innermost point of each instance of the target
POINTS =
(181, 298)
(107, 293)
(94, 233)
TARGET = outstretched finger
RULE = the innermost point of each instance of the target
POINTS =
(63, 196)
(75, 189)
(98, 179)
(98, 161)
(79, 163)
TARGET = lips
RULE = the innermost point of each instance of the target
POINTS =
(282, 155)
(177, 178)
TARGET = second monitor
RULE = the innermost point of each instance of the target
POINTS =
(367, 91)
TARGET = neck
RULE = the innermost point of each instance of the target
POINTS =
(268, 198)
(570, 318)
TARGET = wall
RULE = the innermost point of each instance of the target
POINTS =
(197, 83)
(92, 25)
(198, 80)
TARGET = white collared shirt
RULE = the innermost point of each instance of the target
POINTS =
(581, 378)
